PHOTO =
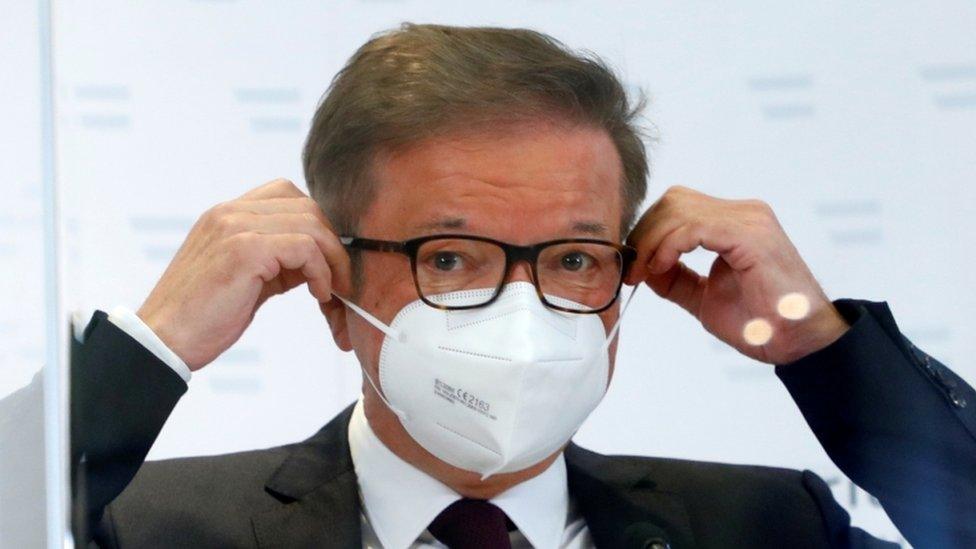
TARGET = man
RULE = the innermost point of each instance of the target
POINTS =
(470, 192)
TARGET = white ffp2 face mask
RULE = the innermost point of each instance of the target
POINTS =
(494, 389)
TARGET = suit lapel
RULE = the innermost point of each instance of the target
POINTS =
(319, 498)
(621, 503)
(319, 495)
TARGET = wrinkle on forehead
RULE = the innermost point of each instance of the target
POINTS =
(528, 149)
(587, 228)
(565, 178)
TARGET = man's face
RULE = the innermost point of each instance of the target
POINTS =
(519, 184)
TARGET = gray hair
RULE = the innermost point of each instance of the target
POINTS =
(419, 81)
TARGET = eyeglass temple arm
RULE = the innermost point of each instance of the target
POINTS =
(370, 244)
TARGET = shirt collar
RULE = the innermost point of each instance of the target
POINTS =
(539, 506)
(400, 500)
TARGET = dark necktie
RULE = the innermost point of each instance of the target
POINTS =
(472, 524)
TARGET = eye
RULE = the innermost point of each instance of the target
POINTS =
(446, 261)
(575, 261)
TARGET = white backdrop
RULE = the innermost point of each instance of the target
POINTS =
(856, 122)
(21, 251)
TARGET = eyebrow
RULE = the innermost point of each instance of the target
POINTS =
(445, 223)
(592, 228)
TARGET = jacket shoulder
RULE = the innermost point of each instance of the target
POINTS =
(754, 505)
(683, 475)
(206, 500)
(695, 475)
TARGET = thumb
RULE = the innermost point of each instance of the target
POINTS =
(681, 285)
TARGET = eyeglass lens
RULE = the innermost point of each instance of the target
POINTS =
(578, 276)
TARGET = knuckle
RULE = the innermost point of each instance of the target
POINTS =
(267, 268)
(316, 211)
(759, 205)
(216, 211)
(677, 199)
(311, 219)
(670, 195)
(308, 243)
(678, 191)
(227, 223)
(693, 227)
(292, 187)
(240, 246)
(282, 187)
(763, 211)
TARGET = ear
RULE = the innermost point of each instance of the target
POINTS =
(335, 313)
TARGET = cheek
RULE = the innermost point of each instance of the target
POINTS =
(610, 316)
(387, 286)
(367, 342)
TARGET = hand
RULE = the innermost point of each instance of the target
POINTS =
(756, 266)
(237, 255)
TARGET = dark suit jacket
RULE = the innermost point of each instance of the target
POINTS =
(897, 422)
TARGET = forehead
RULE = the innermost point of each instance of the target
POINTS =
(518, 183)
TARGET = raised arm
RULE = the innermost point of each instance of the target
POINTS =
(121, 395)
(897, 422)
(129, 372)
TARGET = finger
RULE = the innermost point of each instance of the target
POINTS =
(335, 252)
(301, 204)
(296, 252)
(276, 188)
(653, 226)
(681, 285)
(646, 221)
(714, 235)
(673, 209)
(305, 223)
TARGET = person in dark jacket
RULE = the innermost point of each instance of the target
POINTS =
(474, 210)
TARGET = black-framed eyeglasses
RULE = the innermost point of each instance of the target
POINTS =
(575, 275)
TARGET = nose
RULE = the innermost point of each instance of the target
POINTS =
(519, 272)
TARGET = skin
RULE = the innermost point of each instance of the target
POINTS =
(755, 266)
(532, 182)
(527, 185)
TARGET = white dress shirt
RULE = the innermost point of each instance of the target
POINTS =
(131, 324)
(399, 500)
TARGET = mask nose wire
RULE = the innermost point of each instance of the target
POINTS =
(391, 332)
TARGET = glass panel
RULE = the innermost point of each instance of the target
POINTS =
(33, 487)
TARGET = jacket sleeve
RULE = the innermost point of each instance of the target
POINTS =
(897, 422)
(121, 395)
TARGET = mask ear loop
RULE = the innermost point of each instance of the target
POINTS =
(377, 323)
(613, 334)
(616, 325)
(390, 332)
